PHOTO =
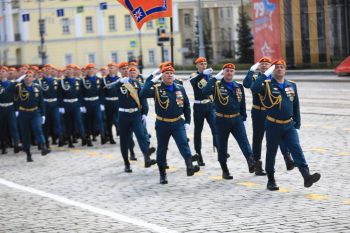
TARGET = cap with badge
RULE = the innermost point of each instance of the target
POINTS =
(229, 66)
(200, 60)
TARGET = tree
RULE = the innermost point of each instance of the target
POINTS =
(245, 39)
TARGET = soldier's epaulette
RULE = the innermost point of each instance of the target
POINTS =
(255, 76)
(291, 81)
(193, 75)
(157, 85)
(19, 84)
(267, 80)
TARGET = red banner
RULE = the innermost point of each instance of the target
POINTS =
(146, 10)
(266, 28)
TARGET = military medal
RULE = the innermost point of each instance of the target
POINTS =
(239, 94)
(179, 99)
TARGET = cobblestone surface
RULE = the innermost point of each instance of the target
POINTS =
(203, 203)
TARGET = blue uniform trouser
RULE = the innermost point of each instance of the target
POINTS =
(275, 133)
(93, 117)
(8, 120)
(111, 116)
(200, 113)
(259, 124)
(235, 126)
(128, 123)
(73, 119)
(164, 130)
(52, 124)
(30, 122)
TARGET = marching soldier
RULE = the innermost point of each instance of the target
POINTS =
(230, 105)
(49, 86)
(111, 100)
(31, 116)
(131, 109)
(139, 77)
(7, 111)
(171, 102)
(12, 74)
(259, 118)
(203, 107)
(283, 121)
(70, 93)
(93, 102)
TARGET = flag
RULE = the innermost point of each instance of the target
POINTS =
(146, 10)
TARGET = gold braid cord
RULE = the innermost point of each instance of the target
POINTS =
(21, 95)
(162, 104)
(222, 100)
(273, 100)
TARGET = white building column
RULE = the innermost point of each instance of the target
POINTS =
(176, 17)
(10, 37)
(78, 24)
(23, 28)
(100, 22)
(2, 26)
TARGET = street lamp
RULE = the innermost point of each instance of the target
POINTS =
(42, 52)
(200, 30)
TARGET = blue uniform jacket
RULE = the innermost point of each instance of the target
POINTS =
(108, 86)
(198, 82)
(126, 101)
(70, 88)
(175, 102)
(49, 87)
(30, 97)
(289, 104)
(227, 101)
(7, 91)
(92, 87)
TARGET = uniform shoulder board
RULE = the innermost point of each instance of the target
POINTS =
(193, 75)
(19, 84)
(267, 80)
(292, 81)
(255, 76)
(157, 85)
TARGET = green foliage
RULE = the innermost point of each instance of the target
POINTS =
(245, 39)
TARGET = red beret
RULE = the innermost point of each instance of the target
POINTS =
(164, 64)
(90, 65)
(12, 69)
(279, 62)
(35, 68)
(200, 60)
(132, 69)
(123, 64)
(265, 59)
(133, 63)
(30, 72)
(167, 68)
(112, 64)
(71, 66)
(229, 66)
(104, 68)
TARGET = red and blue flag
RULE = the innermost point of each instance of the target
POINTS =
(146, 10)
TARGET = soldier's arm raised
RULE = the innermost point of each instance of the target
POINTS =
(209, 88)
(148, 89)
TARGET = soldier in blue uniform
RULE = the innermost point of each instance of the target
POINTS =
(283, 121)
(131, 109)
(111, 100)
(171, 102)
(7, 111)
(203, 107)
(70, 94)
(230, 105)
(139, 76)
(93, 100)
(259, 118)
(49, 86)
(31, 116)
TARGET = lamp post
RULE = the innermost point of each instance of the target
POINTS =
(200, 30)
(42, 52)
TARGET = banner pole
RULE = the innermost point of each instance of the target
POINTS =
(172, 40)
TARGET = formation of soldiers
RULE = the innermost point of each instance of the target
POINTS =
(39, 106)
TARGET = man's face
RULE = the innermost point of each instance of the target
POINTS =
(113, 70)
(228, 74)
(91, 71)
(124, 71)
(69, 72)
(23, 70)
(29, 79)
(201, 66)
(3, 74)
(168, 78)
(133, 74)
(77, 72)
(279, 72)
(12, 74)
(104, 72)
(264, 66)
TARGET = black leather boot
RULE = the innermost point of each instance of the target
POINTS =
(148, 161)
(289, 162)
(162, 173)
(259, 171)
(251, 164)
(271, 183)
(127, 168)
(190, 168)
(132, 155)
(200, 160)
(3, 148)
(70, 142)
(16, 148)
(103, 139)
(44, 150)
(309, 179)
(29, 156)
(61, 142)
(151, 150)
(225, 172)
(88, 142)
(195, 157)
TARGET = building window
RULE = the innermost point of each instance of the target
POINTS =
(131, 55)
(149, 25)
(127, 23)
(221, 12)
(111, 23)
(114, 57)
(89, 24)
(92, 58)
(166, 55)
(187, 19)
(68, 59)
(65, 26)
(228, 12)
(151, 57)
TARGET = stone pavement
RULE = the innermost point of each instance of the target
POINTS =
(203, 203)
